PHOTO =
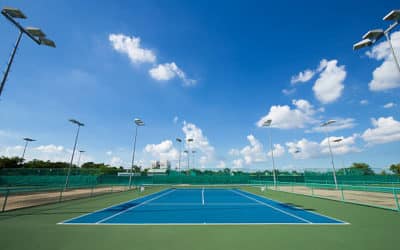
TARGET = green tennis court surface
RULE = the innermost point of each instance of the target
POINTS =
(36, 228)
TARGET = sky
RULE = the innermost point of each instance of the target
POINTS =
(213, 71)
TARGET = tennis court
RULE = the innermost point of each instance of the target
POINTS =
(202, 206)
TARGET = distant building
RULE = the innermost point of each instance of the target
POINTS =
(159, 168)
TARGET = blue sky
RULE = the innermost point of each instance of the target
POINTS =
(207, 70)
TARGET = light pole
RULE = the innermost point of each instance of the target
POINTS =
(35, 34)
(194, 158)
(187, 155)
(372, 36)
(79, 158)
(138, 122)
(79, 124)
(27, 140)
(190, 140)
(337, 141)
(267, 124)
(325, 124)
(180, 153)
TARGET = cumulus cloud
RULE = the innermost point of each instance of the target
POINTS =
(364, 102)
(385, 129)
(389, 105)
(176, 119)
(305, 149)
(386, 76)
(279, 151)
(304, 76)
(162, 151)
(329, 85)
(167, 71)
(221, 164)
(288, 91)
(252, 153)
(116, 161)
(200, 142)
(132, 48)
(284, 117)
(340, 124)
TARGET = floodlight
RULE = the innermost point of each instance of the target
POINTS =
(186, 151)
(47, 42)
(364, 43)
(76, 122)
(374, 35)
(178, 139)
(28, 139)
(139, 122)
(190, 140)
(35, 32)
(13, 12)
(338, 140)
(327, 123)
(394, 15)
(267, 123)
(82, 151)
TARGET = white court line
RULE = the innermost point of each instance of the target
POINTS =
(268, 205)
(139, 205)
(208, 204)
(202, 196)
(279, 202)
(206, 224)
(114, 205)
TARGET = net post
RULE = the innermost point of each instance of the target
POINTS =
(396, 199)
(5, 200)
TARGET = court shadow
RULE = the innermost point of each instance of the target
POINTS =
(295, 207)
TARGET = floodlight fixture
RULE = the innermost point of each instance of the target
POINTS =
(139, 122)
(35, 32)
(29, 139)
(361, 44)
(338, 140)
(13, 12)
(267, 123)
(297, 151)
(374, 35)
(185, 151)
(178, 139)
(393, 15)
(190, 139)
(329, 122)
(76, 122)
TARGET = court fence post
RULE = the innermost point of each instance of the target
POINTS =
(292, 188)
(5, 200)
(91, 191)
(396, 199)
(312, 190)
(61, 193)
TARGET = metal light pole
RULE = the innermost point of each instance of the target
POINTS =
(35, 34)
(138, 122)
(327, 123)
(180, 153)
(187, 155)
(268, 123)
(79, 124)
(79, 158)
(372, 36)
(188, 145)
(194, 158)
(337, 141)
(27, 140)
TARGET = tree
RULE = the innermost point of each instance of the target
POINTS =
(12, 162)
(395, 168)
(364, 168)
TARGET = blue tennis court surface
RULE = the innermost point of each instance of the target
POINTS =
(202, 206)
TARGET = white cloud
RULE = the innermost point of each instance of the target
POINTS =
(221, 164)
(167, 71)
(305, 149)
(109, 153)
(329, 85)
(176, 119)
(386, 76)
(162, 151)
(200, 142)
(389, 105)
(237, 163)
(116, 161)
(250, 154)
(341, 123)
(284, 117)
(385, 130)
(304, 76)
(131, 47)
(279, 151)
(288, 91)
(364, 102)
